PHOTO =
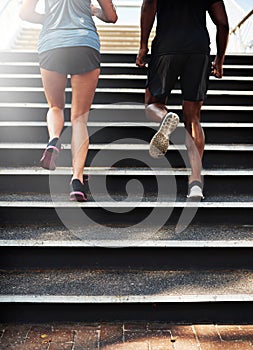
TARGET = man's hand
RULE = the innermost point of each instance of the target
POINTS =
(140, 60)
(217, 68)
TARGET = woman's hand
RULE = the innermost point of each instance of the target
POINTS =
(93, 10)
(107, 13)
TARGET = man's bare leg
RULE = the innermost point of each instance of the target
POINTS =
(195, 138)
(158, 112)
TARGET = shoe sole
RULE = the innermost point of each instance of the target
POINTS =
(195, 199)
(160, 142)
(196, 196)
(48, 159)
(77, 196)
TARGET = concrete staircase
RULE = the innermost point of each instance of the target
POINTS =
(136, 249)
(113, 38)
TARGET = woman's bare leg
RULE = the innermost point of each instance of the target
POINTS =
(54, 85)
(83, 90)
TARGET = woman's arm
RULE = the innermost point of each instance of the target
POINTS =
(107, 12)
(27, 12)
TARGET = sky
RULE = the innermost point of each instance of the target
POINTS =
(247, 5)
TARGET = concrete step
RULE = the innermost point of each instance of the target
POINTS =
(133, 208)
(107, 132)
(25, 56)
(217, 156)
(96, 286)
(118, 95)
(61, 268)
(19, 67)
(77, 293)
(122, 199)
(121, 112)
(106, 47)
(144, 236)
(115, 38)
(124, 81)
(220, 181)
(116, 57)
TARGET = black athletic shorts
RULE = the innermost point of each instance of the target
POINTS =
(70, 60)
(192, 70)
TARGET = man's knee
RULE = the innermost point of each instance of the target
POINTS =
(155, 107)
(191, 111)
(149, 108)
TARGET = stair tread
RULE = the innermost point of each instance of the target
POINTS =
(114, 76)
(123, 171)
(139, 285)
(124, 106)
(124, 124)
(195, 235)
(114, 64)
(128, 90)
(119, 200)
(133, 147)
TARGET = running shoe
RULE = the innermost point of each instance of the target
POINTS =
(49, 156)
(195, 191)
(77, 190)
(160, 142)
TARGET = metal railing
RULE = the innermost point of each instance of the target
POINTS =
(238, 26)
(243, 32)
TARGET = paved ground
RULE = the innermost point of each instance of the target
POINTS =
(126, 336)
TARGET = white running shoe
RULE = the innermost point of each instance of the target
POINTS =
(160, 142)
(195, 191)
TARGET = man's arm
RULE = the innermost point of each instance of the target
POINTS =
(219, 17)
(27, 12)
(148, 13)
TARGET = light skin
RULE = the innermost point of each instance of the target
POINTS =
(156, 108)
(83, 90)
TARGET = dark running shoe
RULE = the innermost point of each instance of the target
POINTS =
(50, 154)
(77, 190)
(160, 142)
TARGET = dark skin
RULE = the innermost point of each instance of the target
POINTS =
(156, 107)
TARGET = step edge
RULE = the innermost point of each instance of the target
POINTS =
(123, 171)
(94, 299)
(125, 244)
(124, 204)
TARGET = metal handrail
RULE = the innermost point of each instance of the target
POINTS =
(241, 22)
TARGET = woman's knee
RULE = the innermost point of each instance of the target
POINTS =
(79, 117)
(56, 109)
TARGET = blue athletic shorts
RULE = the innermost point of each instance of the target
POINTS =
(192, 71)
